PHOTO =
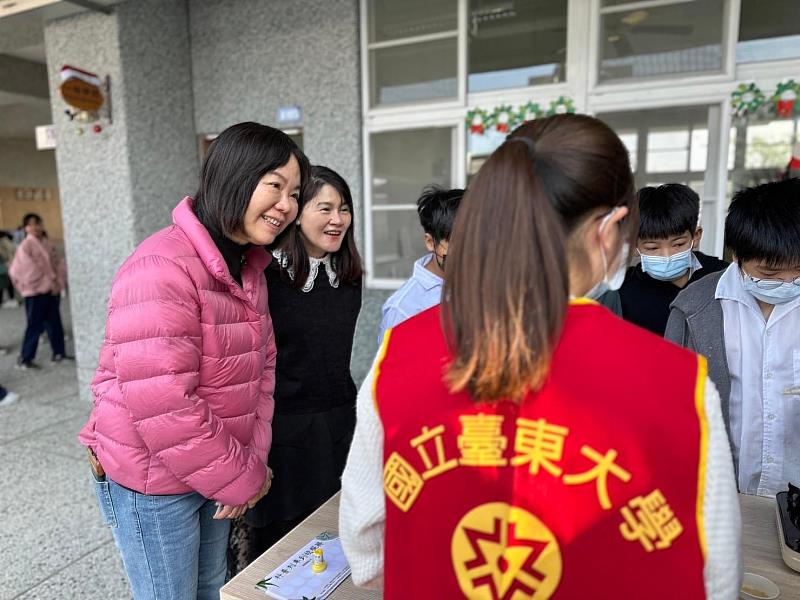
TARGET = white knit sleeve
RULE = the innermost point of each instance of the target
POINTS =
(362, 511)
(722, 520)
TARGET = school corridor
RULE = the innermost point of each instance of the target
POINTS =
(53, 543)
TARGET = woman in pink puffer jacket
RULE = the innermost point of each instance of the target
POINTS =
(181, 425)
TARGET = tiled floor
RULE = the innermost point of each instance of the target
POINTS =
(53, 543)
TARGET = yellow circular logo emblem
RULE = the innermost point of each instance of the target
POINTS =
(502, 552)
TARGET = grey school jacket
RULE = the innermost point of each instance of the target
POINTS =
(696, 322)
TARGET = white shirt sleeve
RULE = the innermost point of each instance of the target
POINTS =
(362, 512)
(722, 521)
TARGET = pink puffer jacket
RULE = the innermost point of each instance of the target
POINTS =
(183, 392)
(37, 268)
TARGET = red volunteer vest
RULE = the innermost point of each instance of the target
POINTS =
(590, 488)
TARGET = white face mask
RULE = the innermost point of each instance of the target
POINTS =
(615, 281)
(667, 268)
(771, 291)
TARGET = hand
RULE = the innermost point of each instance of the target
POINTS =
(264, 489)
(229, 512)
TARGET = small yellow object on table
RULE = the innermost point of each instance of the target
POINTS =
(318, 564)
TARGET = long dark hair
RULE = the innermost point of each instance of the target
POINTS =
(236, 161)
(507, 277)
(346, 261)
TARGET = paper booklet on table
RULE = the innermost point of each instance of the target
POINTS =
(294, 579)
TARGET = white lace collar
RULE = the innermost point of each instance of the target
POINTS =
(313, 270)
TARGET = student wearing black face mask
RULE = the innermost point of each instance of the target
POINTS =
(437, 211)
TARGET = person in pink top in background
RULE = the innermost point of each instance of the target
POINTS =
(183, 395)
(39, 274)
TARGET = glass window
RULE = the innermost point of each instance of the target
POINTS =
(666, 145)
(516, 43)
(393, 20)
(413, 50)
(667, 149)
(479, 147)
(404, 162)
(761, 151)
(398, 240)
(769, 145)
(768, 30)
(651, 41)
(414, 72)
(698, 149)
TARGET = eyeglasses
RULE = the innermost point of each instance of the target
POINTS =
(771, 284)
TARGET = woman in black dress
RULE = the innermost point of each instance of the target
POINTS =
(314, 299)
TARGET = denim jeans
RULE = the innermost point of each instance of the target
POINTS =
(171, 547)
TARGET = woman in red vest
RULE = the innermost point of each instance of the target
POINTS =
(522, 442)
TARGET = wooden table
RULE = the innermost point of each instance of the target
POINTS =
(762, 555)
(759, 535)
(326, 518)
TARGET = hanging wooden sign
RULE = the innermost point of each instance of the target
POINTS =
(81, 89)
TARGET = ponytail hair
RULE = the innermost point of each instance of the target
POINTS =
(506, 285)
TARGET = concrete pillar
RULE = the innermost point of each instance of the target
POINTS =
(120, 186)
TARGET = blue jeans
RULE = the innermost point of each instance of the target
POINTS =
(171, 547)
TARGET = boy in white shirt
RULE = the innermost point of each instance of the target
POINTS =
(746, 321)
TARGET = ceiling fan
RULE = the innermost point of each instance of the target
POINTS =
(635, 23)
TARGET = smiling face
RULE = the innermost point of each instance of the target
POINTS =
(273, 205)
(324, 221)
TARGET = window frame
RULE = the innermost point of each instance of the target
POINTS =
(590, 97)
(728, 45)
(457, 147)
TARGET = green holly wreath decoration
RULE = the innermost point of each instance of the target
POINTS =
(784, 99)
(478, 121)
(560, 106)
(504, 119)
(746, 99)
(529, 112)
